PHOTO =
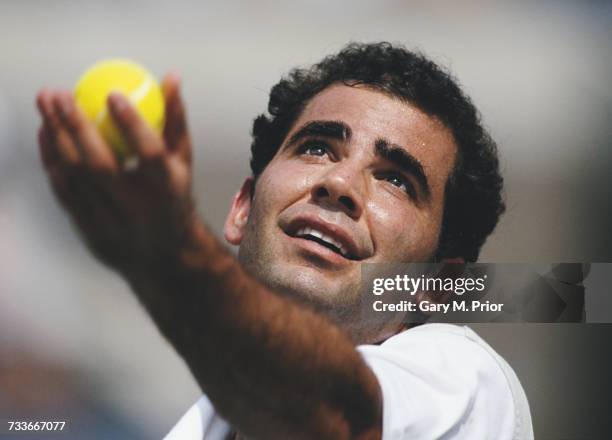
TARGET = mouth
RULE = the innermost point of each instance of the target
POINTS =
(326, 235)
(324, 240)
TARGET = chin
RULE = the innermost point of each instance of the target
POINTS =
(310, 285)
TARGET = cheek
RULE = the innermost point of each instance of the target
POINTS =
(278, 187)
(406, 234)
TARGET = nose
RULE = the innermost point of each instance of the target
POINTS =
(339, 188)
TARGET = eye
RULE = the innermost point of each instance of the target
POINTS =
(401, 182)
(314, 148)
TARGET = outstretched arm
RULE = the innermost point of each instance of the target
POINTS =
(272, 368)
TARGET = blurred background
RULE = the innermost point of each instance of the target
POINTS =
(74, 343)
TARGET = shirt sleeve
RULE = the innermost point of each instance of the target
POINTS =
(201, 422)
(439, 384)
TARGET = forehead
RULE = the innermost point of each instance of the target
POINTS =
(372, 115)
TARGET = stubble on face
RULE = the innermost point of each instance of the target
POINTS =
(399, 229)
(303, 281)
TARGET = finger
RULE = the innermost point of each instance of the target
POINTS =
(44, 105)
(59, 144)
(144, 141)
(175, 130)
(97, 155)
(47, 151)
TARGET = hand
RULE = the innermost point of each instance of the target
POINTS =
(130, 218)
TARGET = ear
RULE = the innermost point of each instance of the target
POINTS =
(238, 215)
(451, 268)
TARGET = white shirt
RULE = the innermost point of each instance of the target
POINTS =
(438, 381)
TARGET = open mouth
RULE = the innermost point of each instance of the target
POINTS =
(325, 240)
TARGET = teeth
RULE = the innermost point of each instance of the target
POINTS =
(317, 234)
(322, 236)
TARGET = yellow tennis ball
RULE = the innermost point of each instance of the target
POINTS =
(128, 78)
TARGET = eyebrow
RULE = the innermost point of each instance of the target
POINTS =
(404, 161)
(329, 129)
(393, 153)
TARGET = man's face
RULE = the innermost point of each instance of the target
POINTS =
(359, 178)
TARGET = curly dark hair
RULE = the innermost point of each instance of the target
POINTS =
(473, 200)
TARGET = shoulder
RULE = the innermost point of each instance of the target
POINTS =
(439, 349)
(444, 381)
